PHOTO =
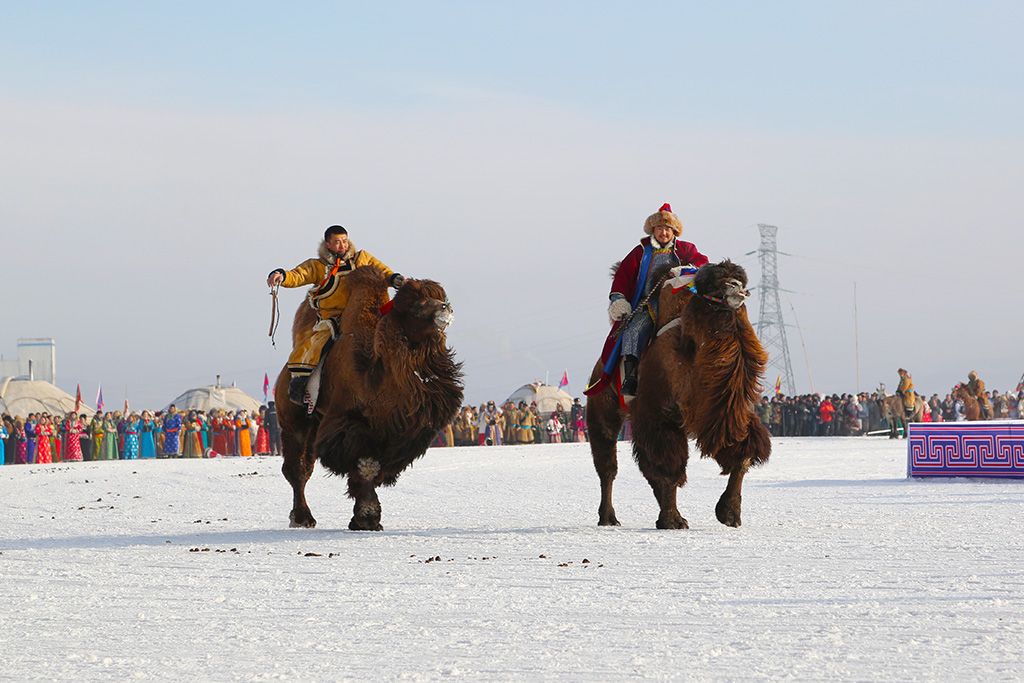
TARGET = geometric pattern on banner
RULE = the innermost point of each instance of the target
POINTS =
(966, 449)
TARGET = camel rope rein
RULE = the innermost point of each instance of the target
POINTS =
(655, 289)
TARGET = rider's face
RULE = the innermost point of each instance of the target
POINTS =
(663, 233)
(338, 243)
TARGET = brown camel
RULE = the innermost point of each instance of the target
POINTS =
(388, 386)
(972, 408)
(700, 378)
(892, 409)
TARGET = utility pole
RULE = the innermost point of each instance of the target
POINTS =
(771, 329)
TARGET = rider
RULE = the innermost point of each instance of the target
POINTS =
(631, 283)
(906, 391)
(976, 388)
(336, 257)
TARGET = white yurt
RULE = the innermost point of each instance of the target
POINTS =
(20, 397)
(545, 395)
(215, 397)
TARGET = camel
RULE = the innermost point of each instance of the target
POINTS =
(892, 409)
(699, 378)
(972, 408)
(389, 385)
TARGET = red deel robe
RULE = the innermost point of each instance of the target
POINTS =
(627, 282)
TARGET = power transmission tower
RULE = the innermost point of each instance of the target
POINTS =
(771, 329)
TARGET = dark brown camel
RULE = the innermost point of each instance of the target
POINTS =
(389, 385)
(972, 409)
(700, 378)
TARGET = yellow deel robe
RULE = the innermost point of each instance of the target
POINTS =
(328, 297)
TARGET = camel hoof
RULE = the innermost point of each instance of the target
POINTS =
(364, 525)
(305, 521)
(672, 521)
(728, 512)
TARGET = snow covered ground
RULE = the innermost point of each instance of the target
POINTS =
(492, 567)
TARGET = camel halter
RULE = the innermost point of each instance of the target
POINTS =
(714, 299)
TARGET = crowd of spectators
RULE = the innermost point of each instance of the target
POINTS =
(45, 438)
(857, 414)
(511, 424)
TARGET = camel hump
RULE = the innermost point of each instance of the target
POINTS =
(367, 276)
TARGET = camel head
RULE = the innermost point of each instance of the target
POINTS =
(422, 309)
(726, 281)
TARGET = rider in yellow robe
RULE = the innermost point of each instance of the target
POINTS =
(336, 258)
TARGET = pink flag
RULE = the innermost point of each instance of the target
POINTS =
(266, 386)
(99, 398)
(565, 380)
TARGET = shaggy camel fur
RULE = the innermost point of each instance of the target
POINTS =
(389, 385)
(700, 379)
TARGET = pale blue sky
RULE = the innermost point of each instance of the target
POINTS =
(159, 158)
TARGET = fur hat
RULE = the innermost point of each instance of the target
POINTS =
(663, 217)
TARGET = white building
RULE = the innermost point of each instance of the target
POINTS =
(37, 360)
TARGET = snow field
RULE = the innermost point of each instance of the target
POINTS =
(492, 567)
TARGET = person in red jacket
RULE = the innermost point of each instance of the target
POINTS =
(631, 286)
(827, 412)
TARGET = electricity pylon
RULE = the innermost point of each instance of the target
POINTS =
(771, 329)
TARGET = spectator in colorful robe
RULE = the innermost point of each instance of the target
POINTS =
(191, 446)
(634, 304)
(242, 426)
(11, 442)
(21, 447)
(73, 438)
(30, 434)
(262, 438)
(110, 450)
(147, 434)
(204, 431)
(132, 425)
(96, 431)
(4, 435)
(172, 432)
(336, 258)
(43, 430)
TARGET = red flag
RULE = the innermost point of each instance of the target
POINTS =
(78, 397)
(1020, 384)
(99, 398)
(565, 380)
(266, 386)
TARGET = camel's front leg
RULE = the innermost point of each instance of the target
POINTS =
(728, 508)
(669, 517)
(362, 487)
(735, 461)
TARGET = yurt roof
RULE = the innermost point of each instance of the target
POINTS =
(20, 397)
(544, 395)
(213, 397)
